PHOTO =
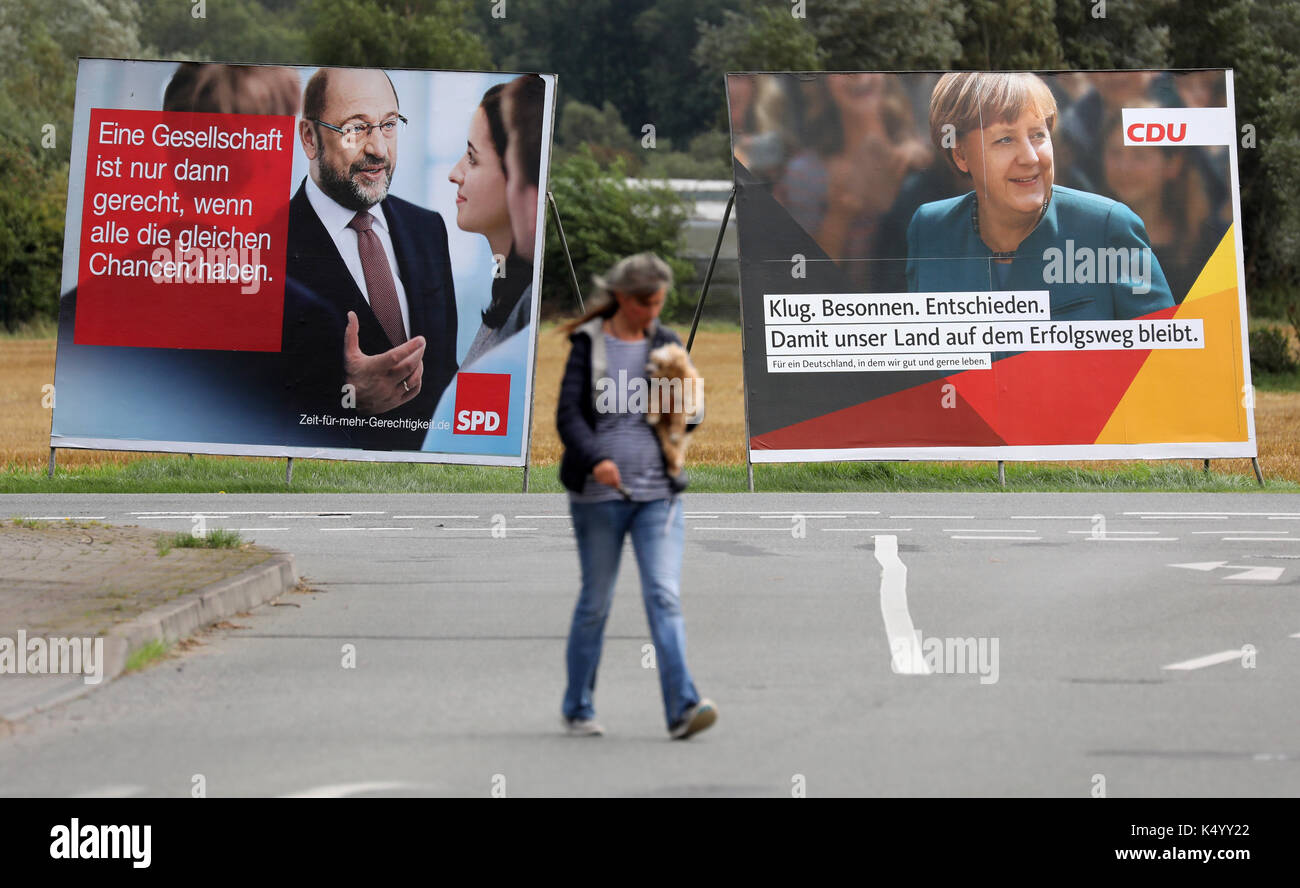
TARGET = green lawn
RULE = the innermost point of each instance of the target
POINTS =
(180, 474)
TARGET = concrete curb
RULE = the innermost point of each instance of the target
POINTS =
(169, 623)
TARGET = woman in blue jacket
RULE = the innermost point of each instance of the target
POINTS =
(1016, 230)
(618, 483)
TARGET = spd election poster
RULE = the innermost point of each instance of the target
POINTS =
(985, 265)
(283, 261)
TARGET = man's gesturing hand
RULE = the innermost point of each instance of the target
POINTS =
(379, 378)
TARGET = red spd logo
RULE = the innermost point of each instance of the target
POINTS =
(482, 403)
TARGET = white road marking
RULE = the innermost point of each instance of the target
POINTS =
(258, 529)
(866, 529)
(343, 790)
(1296, 635)
(405, 517)
(1220, 514)
(1021, 538)
(1052, 517)
(1184, 517)
(449, 531)
(1200, 565)
(116, 791)
(769, 529)
(309, 513)
(1284, 517)
(1210, 532)
(795, 512)
(989, 530)
(1260, 540)
(358, 529)
(1208, 660)
(1248, 571)
(1130, 532)
(64, 518)
(944, 517)
(905, 648)
(1262, 574)
(1117, 539)
(272, 516)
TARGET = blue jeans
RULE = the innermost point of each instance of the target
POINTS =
(658, 531)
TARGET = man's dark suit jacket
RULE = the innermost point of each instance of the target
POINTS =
(319, 293)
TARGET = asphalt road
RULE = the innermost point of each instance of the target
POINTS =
(801, 625)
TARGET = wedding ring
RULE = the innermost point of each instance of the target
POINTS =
(405, 386)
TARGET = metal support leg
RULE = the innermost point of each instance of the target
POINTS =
(564, 243)
(1002, 473)
(1206, 467)
(713, 261)
(1259, 476)
(750, 466)
(53, 450)
(288, 473)
(525, 477)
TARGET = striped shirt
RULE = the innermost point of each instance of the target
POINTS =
(621, 428)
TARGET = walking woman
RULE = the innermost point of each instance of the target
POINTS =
(618, 483)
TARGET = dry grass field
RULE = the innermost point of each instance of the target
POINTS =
(27, 365)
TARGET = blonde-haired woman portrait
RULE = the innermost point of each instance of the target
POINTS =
(1010, 231)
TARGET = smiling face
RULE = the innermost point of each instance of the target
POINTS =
(355, 171)
(1011, 167)
(480, 182)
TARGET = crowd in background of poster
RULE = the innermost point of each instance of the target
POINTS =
(302, 262)
(990, 265)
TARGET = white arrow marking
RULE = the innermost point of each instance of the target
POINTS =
(1263, 574)
(1208, 660)
(904, 645)
(116, 791)
(1248, 572)
(343, 790)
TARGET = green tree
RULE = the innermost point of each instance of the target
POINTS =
(601, 130)
(604, 220)
(1002, 35)
(251, 31)
(1131, 34)
(40, 41)
(31, 239)
(884, 35)
(395, 34)
(761, 38)
(681, 95)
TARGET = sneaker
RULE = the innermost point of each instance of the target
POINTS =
(582, 727)
(696, 719)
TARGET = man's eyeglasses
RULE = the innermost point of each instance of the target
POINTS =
(362, 130)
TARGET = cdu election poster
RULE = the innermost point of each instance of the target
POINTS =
(991, 265)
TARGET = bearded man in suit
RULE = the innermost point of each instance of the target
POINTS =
(370, 309)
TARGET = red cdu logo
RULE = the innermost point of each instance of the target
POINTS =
(1156, 132)
(1178, 126)
(482, 403)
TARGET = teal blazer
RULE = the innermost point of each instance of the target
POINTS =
(1074, 253)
